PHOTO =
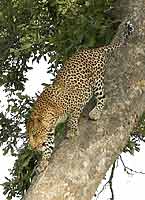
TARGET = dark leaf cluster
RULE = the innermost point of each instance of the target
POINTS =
(12, 122)
(22, 173)
(25, 168)
(35, 29)
(136, 137)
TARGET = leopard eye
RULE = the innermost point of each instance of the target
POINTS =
(38, 120)
(51, 130)
(43, 144)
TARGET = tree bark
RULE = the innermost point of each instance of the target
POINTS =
(77, 167)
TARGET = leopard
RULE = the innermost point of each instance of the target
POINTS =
(80, 78)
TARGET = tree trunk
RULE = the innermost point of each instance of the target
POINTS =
(77, 167)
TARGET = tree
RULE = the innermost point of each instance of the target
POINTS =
(86, 159)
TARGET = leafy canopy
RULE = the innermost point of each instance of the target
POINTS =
(35, 29)
(40, 29)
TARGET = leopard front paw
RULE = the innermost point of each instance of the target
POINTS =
(42, 165)
(95, 114)
(72, 133)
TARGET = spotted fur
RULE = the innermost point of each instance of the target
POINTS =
(81, 77)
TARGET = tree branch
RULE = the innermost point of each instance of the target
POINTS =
(129, 170)
(108, 182)
(77, 167)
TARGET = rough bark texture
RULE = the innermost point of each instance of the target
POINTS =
(77, 167)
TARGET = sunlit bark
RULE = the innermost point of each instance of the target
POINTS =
(77, 167)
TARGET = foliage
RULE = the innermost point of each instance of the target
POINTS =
(22, 173)
(141, 126)
(12, 122)
(25, 168)
(136, 137)
(35, 29)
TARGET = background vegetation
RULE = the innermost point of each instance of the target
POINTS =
(35, 29)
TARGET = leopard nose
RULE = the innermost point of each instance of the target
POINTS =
(41, 146)
(34, 145)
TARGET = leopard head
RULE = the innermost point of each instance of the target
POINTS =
(39, 126)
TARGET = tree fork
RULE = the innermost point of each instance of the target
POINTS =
(77, 167)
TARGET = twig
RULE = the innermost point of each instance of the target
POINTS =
(108, 182)
(129, 170)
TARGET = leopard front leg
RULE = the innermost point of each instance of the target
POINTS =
(72, 125)
(46, 150)
(98, 91)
